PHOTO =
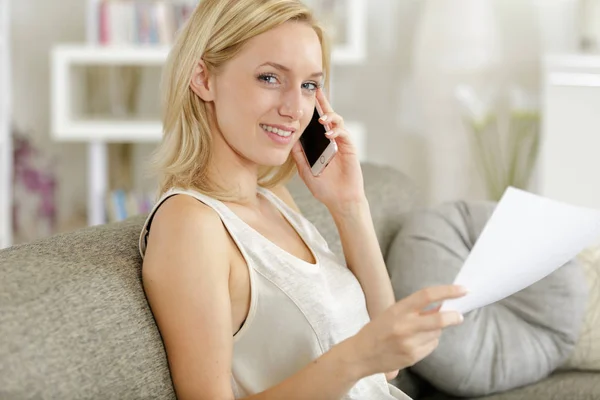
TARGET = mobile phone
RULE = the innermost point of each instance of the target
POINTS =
(317, 148)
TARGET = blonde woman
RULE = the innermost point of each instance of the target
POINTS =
(248, 298)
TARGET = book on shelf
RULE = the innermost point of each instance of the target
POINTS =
(141, 22)
(122, 204)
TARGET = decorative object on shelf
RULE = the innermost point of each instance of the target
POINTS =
(505, 144)
(34, 189)
(455, 42)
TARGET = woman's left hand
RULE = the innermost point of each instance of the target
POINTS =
(340, 185)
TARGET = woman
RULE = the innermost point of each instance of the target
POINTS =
(249, 300)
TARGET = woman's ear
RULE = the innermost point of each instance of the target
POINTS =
(200, 82)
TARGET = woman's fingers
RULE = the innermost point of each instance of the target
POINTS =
(416, 302)
(332, 120)
(323, 102)
(431, 310)
(336, 132)
(301, 163)
(438, 321)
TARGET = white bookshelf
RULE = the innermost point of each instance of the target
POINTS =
(5, 130)
(66, 125)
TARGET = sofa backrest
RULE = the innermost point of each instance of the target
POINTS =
(74, 320)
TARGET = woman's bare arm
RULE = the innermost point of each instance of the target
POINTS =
(363, 255)
(364, 258)
(185, 275)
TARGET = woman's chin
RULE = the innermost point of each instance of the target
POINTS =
(273, 161)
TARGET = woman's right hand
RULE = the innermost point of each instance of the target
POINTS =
(406, 332)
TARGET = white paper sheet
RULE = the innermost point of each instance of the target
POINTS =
(527, 238)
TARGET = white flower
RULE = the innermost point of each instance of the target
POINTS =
(522, 101)
(477, 109)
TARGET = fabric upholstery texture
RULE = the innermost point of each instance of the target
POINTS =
(586, 355)
(560, 386)
(516, 341)
(76, 320)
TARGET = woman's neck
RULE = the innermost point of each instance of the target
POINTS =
(234, 174)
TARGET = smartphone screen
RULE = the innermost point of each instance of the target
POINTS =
(313, 140)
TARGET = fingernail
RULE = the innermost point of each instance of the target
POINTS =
(462, 289)
(461, 318)
(323, 118)
(328, 133)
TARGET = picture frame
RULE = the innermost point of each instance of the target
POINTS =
(346, 24)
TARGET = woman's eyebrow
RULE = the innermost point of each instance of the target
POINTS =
(286, 69)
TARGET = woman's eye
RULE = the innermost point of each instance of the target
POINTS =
(270, 79)
(311, 86)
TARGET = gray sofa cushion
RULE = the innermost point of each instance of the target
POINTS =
(559, 386)
(514, 342)
(75, 322)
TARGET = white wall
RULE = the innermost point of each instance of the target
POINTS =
(377, 93)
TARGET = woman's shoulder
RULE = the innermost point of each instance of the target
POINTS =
(184, 212)
(179, 204)
(180, 217)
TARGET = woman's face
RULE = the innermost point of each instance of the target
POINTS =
(264, 98)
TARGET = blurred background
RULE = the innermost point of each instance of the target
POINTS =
(466, 97)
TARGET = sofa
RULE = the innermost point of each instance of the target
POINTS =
(75, 323)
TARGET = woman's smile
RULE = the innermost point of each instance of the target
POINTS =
(278, 133)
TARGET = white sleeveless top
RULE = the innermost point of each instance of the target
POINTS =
(298, 310)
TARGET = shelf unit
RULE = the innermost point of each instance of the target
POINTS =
(65, 126)
(569, 163)
(5, 130)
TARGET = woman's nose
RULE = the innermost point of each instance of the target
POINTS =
(294, 112)
(291, 106)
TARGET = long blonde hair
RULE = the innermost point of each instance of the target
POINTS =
(215, 33)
